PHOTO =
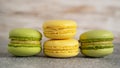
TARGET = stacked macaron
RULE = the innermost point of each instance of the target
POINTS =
(24, 42)
(61, 43)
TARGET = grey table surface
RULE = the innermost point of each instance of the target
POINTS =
(40, 61)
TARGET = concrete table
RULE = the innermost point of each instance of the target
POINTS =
(40, 61)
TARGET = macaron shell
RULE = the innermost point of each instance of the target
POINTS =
(98, 52)
(96, 34)
(61, 54)
(57, 24)
(24, 51)
(25, 33)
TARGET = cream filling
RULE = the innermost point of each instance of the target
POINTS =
(95, 43)
(25, 42)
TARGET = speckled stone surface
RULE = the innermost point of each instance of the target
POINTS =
(41, 61)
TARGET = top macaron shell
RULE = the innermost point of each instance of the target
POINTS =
(59, 29)
(59, 24)
(26, 33)
(97, 34)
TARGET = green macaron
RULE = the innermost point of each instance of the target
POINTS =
(96, 43)
(24, 42)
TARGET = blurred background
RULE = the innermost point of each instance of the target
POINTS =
(89, 14)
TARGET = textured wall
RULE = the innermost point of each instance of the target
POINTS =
(89, 14)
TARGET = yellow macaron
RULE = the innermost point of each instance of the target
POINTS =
(61, 48)
(59, 29)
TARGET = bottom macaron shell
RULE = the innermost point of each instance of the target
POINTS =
(61, 55)
(24, 51)
(97, 53)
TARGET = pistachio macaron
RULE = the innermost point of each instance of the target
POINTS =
(24, 42)
(59, 29)
(96, 43)
(61, 48)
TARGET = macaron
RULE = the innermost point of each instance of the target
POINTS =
(96, 43)
(24, 42)
(61, 48)
(59, 29)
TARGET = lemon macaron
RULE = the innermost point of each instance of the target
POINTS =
(61, 48)
(59, 29)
